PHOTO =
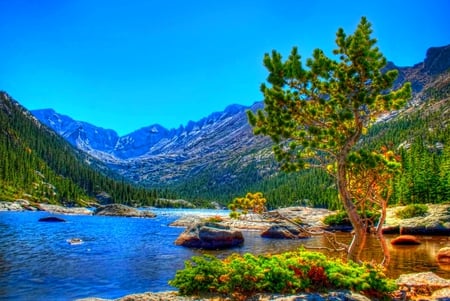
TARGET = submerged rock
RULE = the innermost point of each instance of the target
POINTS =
(122, 210)
(405, 240)
(75, 241)
(52, 219)
(210, 236)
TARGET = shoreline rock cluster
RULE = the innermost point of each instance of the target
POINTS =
(106, 210)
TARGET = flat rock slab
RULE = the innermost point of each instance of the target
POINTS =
(65, 210)
(425, 283)
(122, 210)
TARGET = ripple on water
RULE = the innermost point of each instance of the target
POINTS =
(121, 256)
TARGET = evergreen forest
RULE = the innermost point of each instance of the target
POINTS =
(40, 166)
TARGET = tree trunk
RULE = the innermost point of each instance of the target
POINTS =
(359, 227)
(379, 232)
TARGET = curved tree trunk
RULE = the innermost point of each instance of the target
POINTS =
(379, 233)
(359, 227)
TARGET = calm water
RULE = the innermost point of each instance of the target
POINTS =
(121, 256)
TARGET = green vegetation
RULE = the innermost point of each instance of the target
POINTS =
(38, 165)
(413, 210)
(254, 202)
(288, 273)
(420, 134)
(341, 218)
(315, 116)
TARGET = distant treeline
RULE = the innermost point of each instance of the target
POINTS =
(39, 165)
(420, 135)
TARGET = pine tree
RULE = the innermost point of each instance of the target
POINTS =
(316, 115)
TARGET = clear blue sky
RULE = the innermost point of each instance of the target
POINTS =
(126, 64)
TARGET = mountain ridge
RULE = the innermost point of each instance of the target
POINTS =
(220, 149)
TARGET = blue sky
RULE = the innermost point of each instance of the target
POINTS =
(126, 64)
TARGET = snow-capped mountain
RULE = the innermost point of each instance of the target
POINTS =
(217, 150)
(156, 155)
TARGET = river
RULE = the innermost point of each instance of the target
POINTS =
(121, 256)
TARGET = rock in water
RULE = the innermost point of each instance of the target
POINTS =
(284, 231)
(122, 210)
(443, 255)
(52, 219)
(210, 236)
(405, 240)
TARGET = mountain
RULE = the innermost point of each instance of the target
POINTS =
(217, 157)
(40, 166)
(157, 156)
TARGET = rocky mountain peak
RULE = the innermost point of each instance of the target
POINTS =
(437, 60)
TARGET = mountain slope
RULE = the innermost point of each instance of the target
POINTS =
(39, 165)
(218, 157)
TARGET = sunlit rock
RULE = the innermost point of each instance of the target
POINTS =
(405, 240)
(443, 255)
(122, 210)
(210, 236)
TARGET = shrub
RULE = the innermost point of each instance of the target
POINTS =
(338, 219)
(252, 202)
(214, 219)
(412, 210)
(341, 218)
(291, 272)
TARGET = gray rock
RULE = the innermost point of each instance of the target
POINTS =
(284, 231)
(435, 222)
(122, 210)
(210, 236)
(10, 206)
(65, 210)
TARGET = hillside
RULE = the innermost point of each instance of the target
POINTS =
(218, 157)
(38, 165)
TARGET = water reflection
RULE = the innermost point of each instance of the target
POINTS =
(404, 259)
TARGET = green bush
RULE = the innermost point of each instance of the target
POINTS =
(341, 218)
(289, 273)
(338, 219)
(412, 210)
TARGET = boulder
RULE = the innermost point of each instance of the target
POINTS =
(435, 222)
(64, 210)
(10, 206)
(122, 210)
(52, 219)
(443, 255)
(207, 235)
(284, 231)
(405, 240)
(424, 283)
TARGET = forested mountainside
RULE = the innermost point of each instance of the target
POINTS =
(218, 157)
(421, 135)
(38, 165)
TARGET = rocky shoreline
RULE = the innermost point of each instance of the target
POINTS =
(107, 210)
(435, 222)
(415, 286)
